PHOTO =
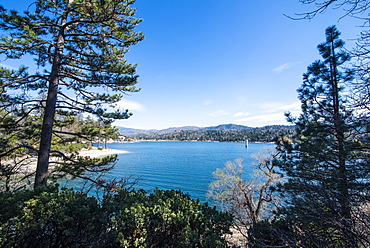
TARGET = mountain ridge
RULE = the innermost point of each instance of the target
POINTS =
(222, 127)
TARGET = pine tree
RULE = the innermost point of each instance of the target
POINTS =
(79, 49)
(325, 165)
(360, 10)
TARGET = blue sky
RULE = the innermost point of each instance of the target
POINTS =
(205, 63)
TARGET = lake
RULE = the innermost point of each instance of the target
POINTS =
(179, 165)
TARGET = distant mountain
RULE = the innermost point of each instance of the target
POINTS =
(223, 127)
(176, 129)
(125, 130)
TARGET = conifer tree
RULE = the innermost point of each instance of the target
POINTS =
(325, 165)
(360, 10)
(79, 48)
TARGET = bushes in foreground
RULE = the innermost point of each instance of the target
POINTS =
(50, 217)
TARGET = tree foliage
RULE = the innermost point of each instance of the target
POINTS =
(354, 8)
(78, 48)
(48, 217)
(358, 9)
(259, 134)
(17, 165)
(249, 201)
(325, 164)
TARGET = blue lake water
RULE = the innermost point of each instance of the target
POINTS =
(185, 166)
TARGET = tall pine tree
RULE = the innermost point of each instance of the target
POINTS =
(79, 48)
(326, 167)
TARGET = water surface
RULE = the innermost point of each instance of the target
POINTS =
(186, 166)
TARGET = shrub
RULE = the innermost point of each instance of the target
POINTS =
(164, 219)
(49, 217)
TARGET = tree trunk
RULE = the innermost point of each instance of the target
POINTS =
(47, 132)
(49, 112)
(344, 198)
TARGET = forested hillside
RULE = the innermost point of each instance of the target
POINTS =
(220, 133)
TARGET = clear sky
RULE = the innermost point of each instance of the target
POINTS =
(205, 63)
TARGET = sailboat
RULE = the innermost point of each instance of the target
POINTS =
(246, 143)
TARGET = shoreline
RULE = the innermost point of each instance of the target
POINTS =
(99, 153)
(163, 140)
(31, 163)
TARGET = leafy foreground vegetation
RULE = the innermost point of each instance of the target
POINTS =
(49, 217)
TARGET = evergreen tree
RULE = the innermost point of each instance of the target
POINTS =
(358, 9)
(79, 49)
(326, 168)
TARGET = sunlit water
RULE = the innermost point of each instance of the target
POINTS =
(185, 166)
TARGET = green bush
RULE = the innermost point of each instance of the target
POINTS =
(49, 217)
(164, 219)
